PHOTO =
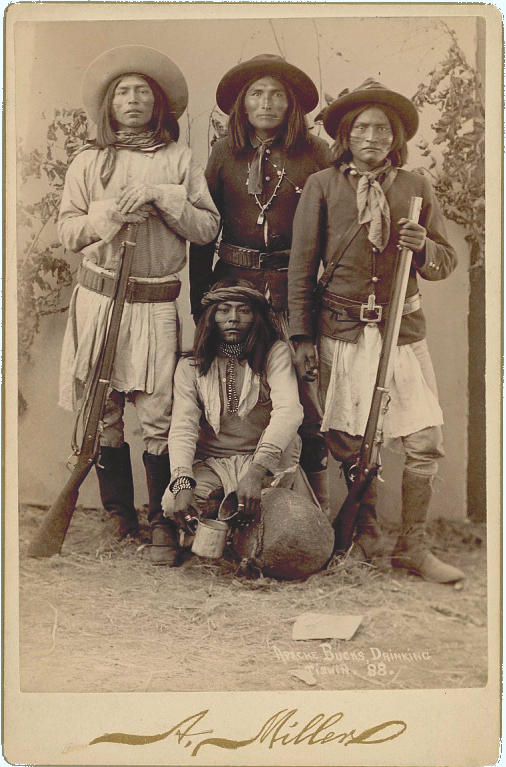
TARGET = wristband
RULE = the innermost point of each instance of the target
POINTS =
(181, 483)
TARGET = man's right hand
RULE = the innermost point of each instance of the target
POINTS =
(305, 359)
(186, 511)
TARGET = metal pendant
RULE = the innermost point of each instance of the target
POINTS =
(261, 218)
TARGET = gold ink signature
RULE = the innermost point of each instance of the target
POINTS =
(282, 728)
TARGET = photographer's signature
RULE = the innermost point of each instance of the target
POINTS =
(281, 729)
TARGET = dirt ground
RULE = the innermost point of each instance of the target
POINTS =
(100, 618)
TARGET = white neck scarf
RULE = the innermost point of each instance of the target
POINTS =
(373, 207)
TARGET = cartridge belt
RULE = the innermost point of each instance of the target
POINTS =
(137, 292)
(356, 310)
(253, 259)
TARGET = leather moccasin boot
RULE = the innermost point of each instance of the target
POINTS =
(164, 547)
(411, 552)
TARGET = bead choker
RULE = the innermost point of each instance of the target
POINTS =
(231, 350)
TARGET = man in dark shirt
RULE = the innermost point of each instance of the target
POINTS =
(256, 175)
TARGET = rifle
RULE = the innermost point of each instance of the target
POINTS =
(369, 462)
(51, 534)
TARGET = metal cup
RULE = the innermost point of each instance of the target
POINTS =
(210, 538)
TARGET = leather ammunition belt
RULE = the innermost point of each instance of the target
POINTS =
(137, 292)
(254, 259)
(355, 310)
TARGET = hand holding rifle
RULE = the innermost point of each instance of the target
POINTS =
(412, 238)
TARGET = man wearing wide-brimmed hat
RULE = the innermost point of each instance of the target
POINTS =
(354, 216)
(256, 175)
(133, 172)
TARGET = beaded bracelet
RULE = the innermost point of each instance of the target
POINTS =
(181, 483)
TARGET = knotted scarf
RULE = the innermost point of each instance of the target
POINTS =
(140, 142)
(255, 171)
(373, 207)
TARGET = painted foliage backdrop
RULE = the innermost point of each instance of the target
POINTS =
(337, 53)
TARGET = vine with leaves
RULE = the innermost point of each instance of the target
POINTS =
(456, 90)
(43, 269)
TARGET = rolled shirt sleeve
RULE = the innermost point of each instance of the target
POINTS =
(188, 207)
(82, 221)
(287, 413)
(185, 424)
(306, 253)
(437, 259)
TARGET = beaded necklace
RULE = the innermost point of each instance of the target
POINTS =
(263, 208)
(232, 352)
(281, 173)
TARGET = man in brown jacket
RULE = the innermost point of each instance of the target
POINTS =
(355, 213)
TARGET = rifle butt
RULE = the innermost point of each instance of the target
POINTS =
(344, 526)
(344, 522)
(51, 534)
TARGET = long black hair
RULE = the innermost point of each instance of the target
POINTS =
(163, 121)
(341, 148)
(262, 334)
(294, 133)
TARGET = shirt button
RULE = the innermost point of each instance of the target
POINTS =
(267, 151)
(267, 178)
(375, 279)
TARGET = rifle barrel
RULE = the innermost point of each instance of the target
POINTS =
(51, 534)
(368, 464)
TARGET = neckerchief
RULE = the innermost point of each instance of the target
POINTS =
(373, 206)
(140, 142)
(255, 171)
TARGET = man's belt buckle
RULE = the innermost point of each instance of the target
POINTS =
(370, 313)
(262, 260)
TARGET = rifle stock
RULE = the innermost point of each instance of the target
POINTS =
(51, 534)
(368, 464)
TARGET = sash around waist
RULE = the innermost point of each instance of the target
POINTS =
(137, 292)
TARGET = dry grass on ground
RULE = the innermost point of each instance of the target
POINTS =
(101, 618)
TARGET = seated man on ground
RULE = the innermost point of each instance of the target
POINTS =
(236, 411)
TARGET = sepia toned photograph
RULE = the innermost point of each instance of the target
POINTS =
(252, 431)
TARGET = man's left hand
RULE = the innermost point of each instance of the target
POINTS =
(249, 492)
(133, 196)
(412, 235)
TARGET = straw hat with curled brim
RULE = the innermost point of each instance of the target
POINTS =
(371, 93)
(138, 59)
(266, 65)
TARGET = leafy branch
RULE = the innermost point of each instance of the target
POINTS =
(456, 90)
(43, 270)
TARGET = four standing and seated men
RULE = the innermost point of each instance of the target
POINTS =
(236, 396)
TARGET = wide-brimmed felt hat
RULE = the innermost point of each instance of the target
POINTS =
(266, 65)
(139, 59)
(373, 93)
